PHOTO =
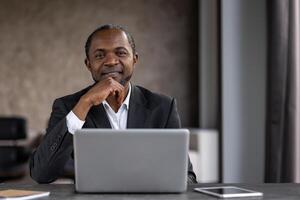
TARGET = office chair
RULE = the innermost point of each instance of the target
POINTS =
(13, 158)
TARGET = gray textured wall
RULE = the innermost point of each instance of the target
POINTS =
(41, 51)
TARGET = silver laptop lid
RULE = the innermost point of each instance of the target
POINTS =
(132, 160)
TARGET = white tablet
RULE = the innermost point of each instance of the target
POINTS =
(228, 192)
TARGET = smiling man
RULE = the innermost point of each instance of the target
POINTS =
(111, 102)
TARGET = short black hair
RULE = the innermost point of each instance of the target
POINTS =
(108, 27)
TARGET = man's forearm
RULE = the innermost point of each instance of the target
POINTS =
(82, 108)
(48, 161)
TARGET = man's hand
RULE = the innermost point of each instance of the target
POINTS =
(97, 94)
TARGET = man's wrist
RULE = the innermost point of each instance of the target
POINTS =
(85, 102)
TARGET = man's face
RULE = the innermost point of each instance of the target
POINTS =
(110, 55)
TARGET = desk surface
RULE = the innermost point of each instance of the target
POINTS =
(66, 191)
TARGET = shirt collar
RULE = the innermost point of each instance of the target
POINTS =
(125, 102)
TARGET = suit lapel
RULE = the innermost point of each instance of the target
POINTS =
(99, 117)
(138, 112)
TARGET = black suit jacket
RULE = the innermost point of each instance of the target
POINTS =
(146, 110)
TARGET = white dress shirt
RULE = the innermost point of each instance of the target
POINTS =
(118, 120)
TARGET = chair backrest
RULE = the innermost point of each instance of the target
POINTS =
(13, 158)
(12, 128)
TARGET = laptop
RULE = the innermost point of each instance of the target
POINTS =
(131, 160)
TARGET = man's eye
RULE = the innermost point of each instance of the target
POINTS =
(99, 56)
(122, 53)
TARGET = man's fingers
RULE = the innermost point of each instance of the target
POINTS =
(105, 88)
(120, 97)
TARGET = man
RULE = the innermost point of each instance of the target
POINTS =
(112, 102)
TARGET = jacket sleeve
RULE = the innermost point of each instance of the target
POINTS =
(173, 121)
(48, 160)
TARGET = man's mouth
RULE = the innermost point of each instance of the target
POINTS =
(111, 74)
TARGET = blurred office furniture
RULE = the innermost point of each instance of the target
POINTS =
(13, 156)
(204, 154)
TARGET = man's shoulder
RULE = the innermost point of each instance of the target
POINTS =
(74, 97)
(152, 98)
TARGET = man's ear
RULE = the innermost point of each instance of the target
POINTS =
(135, 58)
(87, 64)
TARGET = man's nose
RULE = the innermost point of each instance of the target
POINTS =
(111, 60)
